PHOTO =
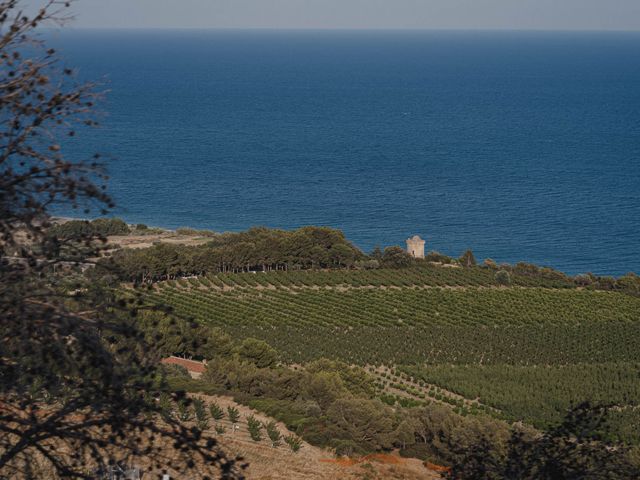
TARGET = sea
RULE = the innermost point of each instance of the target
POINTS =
(522, 146)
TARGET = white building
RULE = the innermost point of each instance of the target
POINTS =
(415, 247)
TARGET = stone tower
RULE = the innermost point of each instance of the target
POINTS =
(415, 247)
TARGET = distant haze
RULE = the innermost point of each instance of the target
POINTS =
(361, 14)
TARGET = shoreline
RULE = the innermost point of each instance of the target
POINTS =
(145, 237)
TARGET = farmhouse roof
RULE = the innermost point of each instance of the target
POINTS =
(191, 365)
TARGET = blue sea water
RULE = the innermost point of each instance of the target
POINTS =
(521, 146)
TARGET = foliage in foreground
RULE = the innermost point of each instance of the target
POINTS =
(74, 372)
(100, 227)
(571, 450)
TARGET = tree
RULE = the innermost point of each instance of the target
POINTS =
(169, 335)
(355, 379)
(76, 376)
(342, 255)
(572, 450)
(405, 432)
(396, 257)
(325, 388)
(367, 422)
(166, 405)
(214, 342)
(258, 352)
(467, 259)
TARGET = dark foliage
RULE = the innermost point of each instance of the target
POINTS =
(396, 257)
(75, 376)
(100, 227)
(467, 259)
(258, 249)
(573, 450)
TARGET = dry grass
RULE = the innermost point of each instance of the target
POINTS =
(310, 463)
(146, 241)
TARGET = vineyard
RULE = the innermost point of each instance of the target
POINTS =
(408, 325)
(527, 352)
(540, 394)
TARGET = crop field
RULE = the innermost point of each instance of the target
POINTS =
(408, 325)
(539, 394)
(529, 352)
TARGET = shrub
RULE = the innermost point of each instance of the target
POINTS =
(175, 371)
(220, 429)
(396, 257)
(101, 226)
(234, 414)
(109, 226)
(193, 231)
(583, 280)
(629, 283)
(294, 442)
(523, 268)
(274, 434)
(200, 411)
(490, 263)
(165, 404)
(186, 231)
(367, 264)
(438, 257)
(347, 448)
(184, 412)
(217, 413)
(255, 428)
(503, 278)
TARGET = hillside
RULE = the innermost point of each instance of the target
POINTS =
(447, 335)
(309, 463)
(364, 354)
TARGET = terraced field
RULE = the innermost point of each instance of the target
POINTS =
(525, 352)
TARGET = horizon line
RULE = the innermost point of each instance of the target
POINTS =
(347, 29)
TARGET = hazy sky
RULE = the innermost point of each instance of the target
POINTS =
(456, 14)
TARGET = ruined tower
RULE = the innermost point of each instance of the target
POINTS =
(415, 246)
